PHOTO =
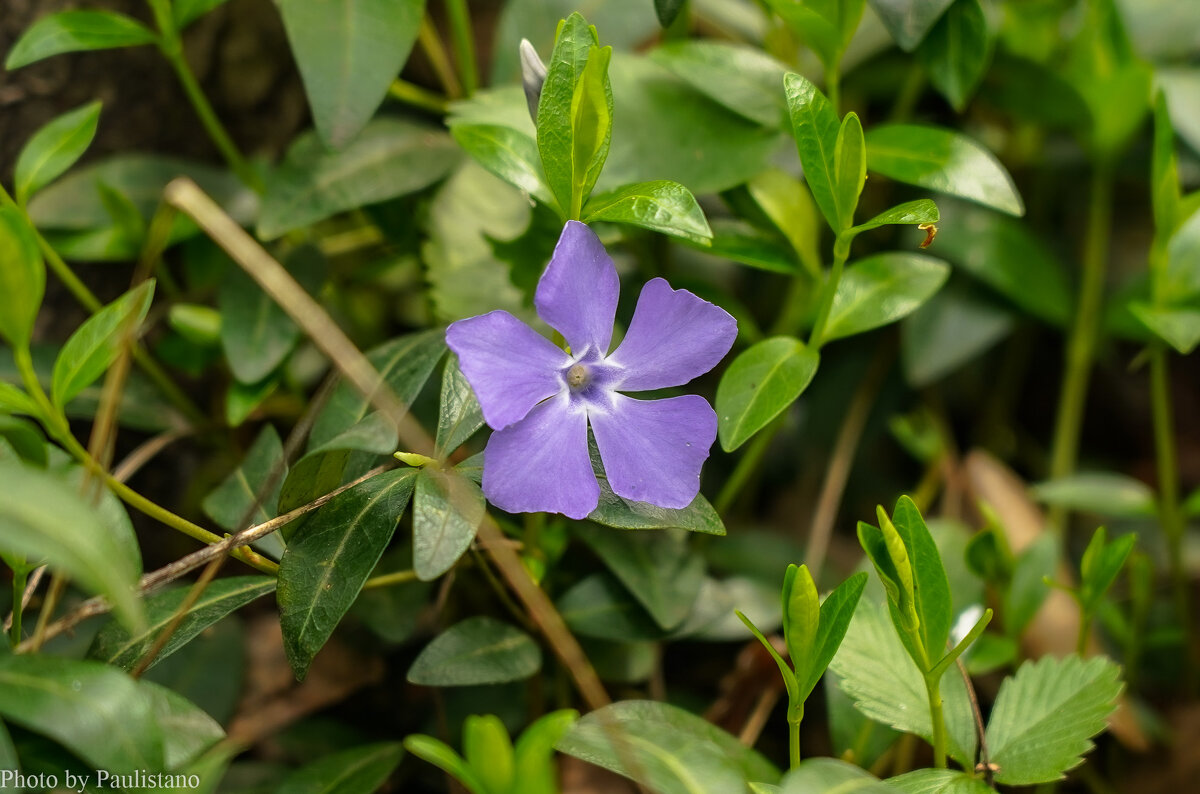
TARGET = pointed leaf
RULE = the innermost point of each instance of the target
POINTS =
(444, 758)
(22, 278)
(535, 767)
(760, 383)
(661, 206)
(54, 148)
(1179, 327)
(459, 415)
(76, 31)
(478, 650)
(801, 617)
(816, 128)
(932, 587)
(325, 566)
(510, 154)
(836, 612)
(1104, 493)
(95, 344)
(489, 751)
(831, 775)
(244, 498)
(1046, 714)
(939, 781)
(882, 289)
(598, 606)
(909, 20)
(556, 109)
(850, 160)
(955, 54)
(188, 11)
(447, 511)
(743, 79)
(359, 770)
(910, 212)
(1028, 589)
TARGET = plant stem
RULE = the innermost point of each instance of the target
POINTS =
(746, 467)
(431, 41)
(933, 690)
(1085, 631)
(20, 577)
(794, 743)
(387, 579)
(1168, 479)
(833, 87)
(828, 290)
(1081, 344)
(415, 95)
(464, 43)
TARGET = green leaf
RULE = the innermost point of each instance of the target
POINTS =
(510, 154)
(107, 508)
(666, 749)
(789, 205)
(837, 610)
(391, 157)
(881, 289)
(314, 475)
(42, 517)
(942, 160)
(444, 758)
(243, 399)
(256, 333)
(801, 616)
(658, 568)
(826, 26)
(760, 383)
(621, 513)
(598, 606)
(831, 775)
(489, 751)
(1182, 279)
(742, 243)
(117, 646)
(359, 770)
(886, 686)
(324, 567)
(1045, 715)
(95, 344)
(789, 677)
(741, 78)
(1005, 255)
(1027, 589)
(816, 129)
(850, 161)
(8, 753)
(349, 51)
(478, 650)
(188, 731)
(1179, 327)
(952, 328)
(348, 420)
(939, 781)
(955, 54)
(13, 400)
(668, 10)
(932, 587)
(1101, 563)
(98, 713)
(76, 31)
(447, 511)
(22, 278)
(25, 438)
(1104, 493)
(560, 140)
(909, 20)
(1180, 84)
(661, 206)
(54, 148)
(910, 212)
(459, 415)
(535, 767)
(188, 11)
(250, 494)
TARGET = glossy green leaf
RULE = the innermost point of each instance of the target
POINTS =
(1103, 493)
(360, 770)
(878, 674)
(910, 213)
(76, 31)
(447, 511)
(108, 509)
(326, 565)
(489, 751)
(741, 78)
(188, 11)
(314, 475)
(98, 713)
(54, 148)
(621, 513)
(939, 781)
(760, 383)
(881, 289)
(250, 494)
(348, 420)
(43, 517)
(256, 333)
(942, 160)
(478, 650)
(665, 748)
(598, 606)
(952, 328)
(661, 206)
(932, 587)
(909, 21)
(591, 125)
(955, 54)
(1178, 327)
(1027, 589)
(94, 346)
(850, 168)
(22, 278)
(826, 26)
(391, 157)
(535, 767)
(801, 616)
(117, 646)
(459, 415)
(658, 568)
(1046, 714)
(561, 99)
(746, 245)
(444, 758)
(837, 610)
(830, 775)
(816, 129)
(508, 153)
(349, 51)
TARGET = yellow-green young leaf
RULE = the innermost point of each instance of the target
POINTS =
(591, 126)
(836, 612)
(42, 517)
(22, 278)
(663, 206)
(897, 552)
(1165, 192)
(489, 751)
(76, 31)
(850, 159)
(55, 148)
(760, 383)
(555, 116)
(535, 766)
(932, 587)
(816, 128)
(789, 205)
(910, 212)
(95, 344)
(1179, 327)
(801, 615)
(360, 770)
(444, 758)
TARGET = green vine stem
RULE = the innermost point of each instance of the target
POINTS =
(746, 467)
(463, 39)
(20, 578)
(841, 251)
(794, 743)
(418, 97)
(431, 42)
(1081, 344)
(934, 691)
(1168, 479)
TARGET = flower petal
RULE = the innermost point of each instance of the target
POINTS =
(653, 449)
(542, 464)
(673, 337)
(510, 366)
(577, 295)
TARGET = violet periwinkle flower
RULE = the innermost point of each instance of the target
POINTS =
(541, 399)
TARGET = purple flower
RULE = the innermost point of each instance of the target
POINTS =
(540, 399)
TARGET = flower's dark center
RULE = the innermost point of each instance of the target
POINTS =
(578, 377)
